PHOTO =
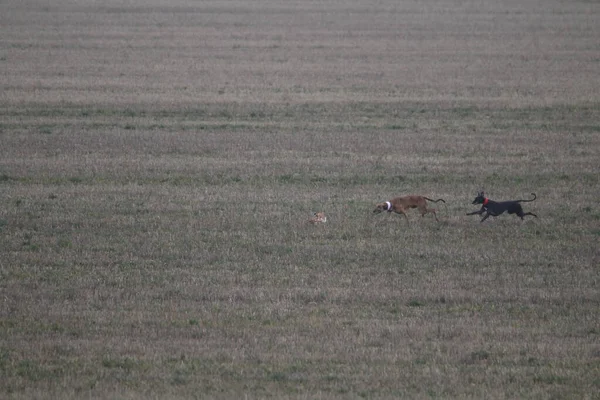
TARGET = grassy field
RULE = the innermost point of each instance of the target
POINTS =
(159, 161)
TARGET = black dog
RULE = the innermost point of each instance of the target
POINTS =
(495, 208)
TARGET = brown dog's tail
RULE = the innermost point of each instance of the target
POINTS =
(438, 200)
(527, 201)
(434, 201)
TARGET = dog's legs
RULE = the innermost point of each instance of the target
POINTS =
(424, 210)
(522, 214)
(478, 212)
(432, 211)
(485, 217)
(406, 217)
(403, 213)
(527, 213)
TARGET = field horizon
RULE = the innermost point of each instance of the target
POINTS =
(159, 162)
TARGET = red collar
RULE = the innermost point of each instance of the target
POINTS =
(485, 201)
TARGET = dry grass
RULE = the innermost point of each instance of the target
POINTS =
(158, 163)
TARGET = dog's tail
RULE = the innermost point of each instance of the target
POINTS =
(438, 200)
(435, 201)
(526, 201)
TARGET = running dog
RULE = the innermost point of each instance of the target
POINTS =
(495, 208)
(400, 205)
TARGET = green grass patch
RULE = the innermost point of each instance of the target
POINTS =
(153, 206)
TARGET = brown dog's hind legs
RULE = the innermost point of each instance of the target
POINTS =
(430, 210)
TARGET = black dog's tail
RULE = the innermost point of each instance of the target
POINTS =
(526, 201)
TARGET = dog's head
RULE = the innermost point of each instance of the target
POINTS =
(479, 199)
(381, 207)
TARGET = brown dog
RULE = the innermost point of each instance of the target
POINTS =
(400, 205)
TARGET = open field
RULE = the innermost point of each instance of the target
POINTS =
(159, 160)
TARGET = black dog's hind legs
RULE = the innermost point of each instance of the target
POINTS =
(527, 213)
